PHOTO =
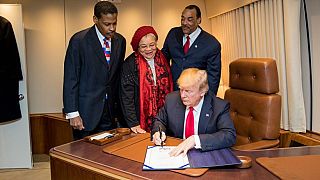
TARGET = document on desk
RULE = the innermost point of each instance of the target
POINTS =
(158, 158)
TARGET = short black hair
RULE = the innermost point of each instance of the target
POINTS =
(104, 7)
(196, 8)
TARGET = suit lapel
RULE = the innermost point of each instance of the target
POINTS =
(96, 45)
(179, 37)
(114, 51)
(180, 113)
(195, 45)
(205, 114)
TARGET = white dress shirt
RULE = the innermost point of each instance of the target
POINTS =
(101, 38)
(193, 36)
(153, 70)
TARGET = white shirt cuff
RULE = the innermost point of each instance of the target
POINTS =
(197, 141)
(72, 115)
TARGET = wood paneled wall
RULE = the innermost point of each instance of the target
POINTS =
(48, 131)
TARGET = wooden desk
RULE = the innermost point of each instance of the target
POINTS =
(82, 160)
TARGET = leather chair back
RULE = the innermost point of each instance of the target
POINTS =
(255, 107)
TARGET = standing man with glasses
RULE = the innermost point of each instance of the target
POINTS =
(190, 46)
(92, 72)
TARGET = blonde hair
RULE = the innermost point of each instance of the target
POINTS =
(194, 77)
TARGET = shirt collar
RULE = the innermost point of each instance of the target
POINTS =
(100, 36)
(198, 107)
(193, 36)
(150, 61)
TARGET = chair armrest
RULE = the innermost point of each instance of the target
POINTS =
(263, 144)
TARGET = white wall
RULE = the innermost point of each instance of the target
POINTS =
(45, 43)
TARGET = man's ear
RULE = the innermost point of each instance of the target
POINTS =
(199, 20)
(95, 19)
(203, 93)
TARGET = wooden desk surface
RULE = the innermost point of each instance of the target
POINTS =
(91, 157)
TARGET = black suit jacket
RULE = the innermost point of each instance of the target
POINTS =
(88, 77)
(10, 73)
(204, 53)
(215, 128)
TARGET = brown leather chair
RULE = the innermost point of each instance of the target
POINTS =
(255, 108)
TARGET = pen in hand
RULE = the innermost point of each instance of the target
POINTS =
(160, 131)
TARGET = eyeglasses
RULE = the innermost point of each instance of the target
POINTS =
(144, 47)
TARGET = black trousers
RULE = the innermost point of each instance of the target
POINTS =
(106, 123)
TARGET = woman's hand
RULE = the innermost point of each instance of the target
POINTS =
(137, 129)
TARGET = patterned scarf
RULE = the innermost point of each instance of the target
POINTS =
(152, 97)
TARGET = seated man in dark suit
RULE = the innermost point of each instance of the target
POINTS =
(195, 115)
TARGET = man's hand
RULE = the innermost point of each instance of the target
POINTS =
(156, 138)
(76, 123)
(183, 147)
(138, 129)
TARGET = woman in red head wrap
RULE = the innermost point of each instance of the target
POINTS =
(145, 81)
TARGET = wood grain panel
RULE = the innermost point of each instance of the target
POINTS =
(49, 130)
(38, 134)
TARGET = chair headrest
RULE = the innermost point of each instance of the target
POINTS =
(254, 74)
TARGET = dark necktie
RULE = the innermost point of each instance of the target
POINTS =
(189, 131)
(186, 45)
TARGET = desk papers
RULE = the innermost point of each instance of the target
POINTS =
(101, 136)
(158, 158)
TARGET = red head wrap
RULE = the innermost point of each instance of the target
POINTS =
(140, 32)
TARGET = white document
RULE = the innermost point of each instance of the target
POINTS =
(101, 136)
(158, 158)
